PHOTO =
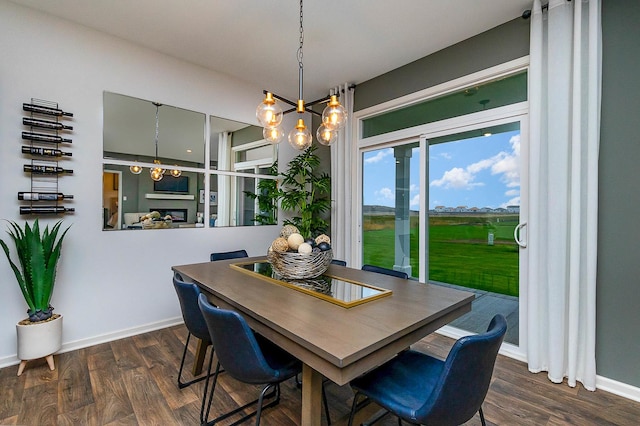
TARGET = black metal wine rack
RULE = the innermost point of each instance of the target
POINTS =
(45, 135)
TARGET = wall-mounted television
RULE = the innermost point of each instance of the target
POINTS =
(172, 184)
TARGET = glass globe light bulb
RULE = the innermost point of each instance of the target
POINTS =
(135, 169)
(176, 173)
(156, 174)
(269, 113)
(326, 136)
(158, 169)
(273, 135)
(334, 115)
(300, 137)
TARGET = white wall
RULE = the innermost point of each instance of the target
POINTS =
(109, 283)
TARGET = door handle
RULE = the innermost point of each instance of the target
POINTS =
(519, 232)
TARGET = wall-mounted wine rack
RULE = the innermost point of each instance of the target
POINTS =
(47, 138)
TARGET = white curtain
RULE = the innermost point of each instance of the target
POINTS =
(564, 96)
(342, 178)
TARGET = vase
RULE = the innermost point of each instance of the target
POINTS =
(39, 340)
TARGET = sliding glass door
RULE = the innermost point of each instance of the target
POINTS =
(444, 208)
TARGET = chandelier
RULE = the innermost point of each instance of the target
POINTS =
(156, 172)
(270, 114)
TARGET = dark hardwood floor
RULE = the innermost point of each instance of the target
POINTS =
(133, 382)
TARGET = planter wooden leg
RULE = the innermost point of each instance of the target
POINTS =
(23, 364)
(49, 359)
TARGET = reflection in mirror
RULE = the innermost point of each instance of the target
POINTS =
(137, 133)
(242, 200)
(129, 200)
(130, 132)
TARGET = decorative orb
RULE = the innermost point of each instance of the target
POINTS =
(288, 230)
(323, 238)
(324, 246)
(311, 242)
(280, 244)
(304, 248)
(294, 241)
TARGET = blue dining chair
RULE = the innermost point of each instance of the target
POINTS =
(386, 271)
(339, 262)
(421, 389)
(236, 254)
(245, 356)
(194, 321)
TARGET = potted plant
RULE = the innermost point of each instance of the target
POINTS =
(306, 193)
(40, 335)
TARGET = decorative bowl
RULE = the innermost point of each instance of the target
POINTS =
(292, 265)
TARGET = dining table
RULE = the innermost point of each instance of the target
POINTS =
(342, 325)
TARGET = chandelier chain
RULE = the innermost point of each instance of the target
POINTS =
(157, 127)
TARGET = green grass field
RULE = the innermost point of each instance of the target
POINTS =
(458, 247)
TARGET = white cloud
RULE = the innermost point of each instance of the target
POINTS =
(456, 178)
(385, 193)
(512, 202)
(512, 192)
(379, 156)
(505, 164)
(414, 188)
(509, 165)
(415, 201)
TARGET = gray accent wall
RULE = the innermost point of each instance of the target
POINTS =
(499, 45)
(618, 282)
(618, 279)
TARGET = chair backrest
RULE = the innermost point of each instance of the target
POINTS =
(236, 254)
(236, 346)
(339, 262)
(465, 377)
(385, 271)
(188, 296)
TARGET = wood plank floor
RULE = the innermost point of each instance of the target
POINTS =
(133, 382)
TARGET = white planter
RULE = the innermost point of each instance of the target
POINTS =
(39, 340)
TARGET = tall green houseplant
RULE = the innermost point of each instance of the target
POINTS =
(38, 255)
(306, 193)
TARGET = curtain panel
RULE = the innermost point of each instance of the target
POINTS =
(342, 179)
(564, 98)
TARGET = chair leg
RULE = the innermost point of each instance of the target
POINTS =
(482, 417)
(204, 416)
(357, 406)
(275, 393)
(258, 412)
(181, 384)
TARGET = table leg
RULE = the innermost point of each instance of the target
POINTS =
(198, 362)
(311, 396)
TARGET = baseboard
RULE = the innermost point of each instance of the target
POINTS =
(605, 384)
(617, 388)
(103, 338)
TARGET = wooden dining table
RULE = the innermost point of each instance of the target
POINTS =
(332, 340)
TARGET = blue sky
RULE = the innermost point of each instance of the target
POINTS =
(476, 172)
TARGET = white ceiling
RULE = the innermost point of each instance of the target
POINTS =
(345, 41)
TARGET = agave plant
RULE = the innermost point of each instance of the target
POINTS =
(38, 255)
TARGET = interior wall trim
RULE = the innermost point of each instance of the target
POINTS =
(10, 360)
